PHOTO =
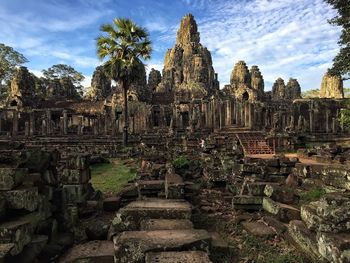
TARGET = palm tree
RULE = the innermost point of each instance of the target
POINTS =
(126, 45)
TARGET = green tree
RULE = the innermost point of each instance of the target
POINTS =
(341, 63)
(66, 74)
(9, 60)
(125, 44)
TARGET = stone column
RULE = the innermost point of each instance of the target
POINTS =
(334, 125)
(311, 120)
(48, 122)
(341, 120)
(43, 127)
(220, 115)
(32, 123)
(106, 124)
(327, 121)
(26, 128)
(15, 123)
(65, 122)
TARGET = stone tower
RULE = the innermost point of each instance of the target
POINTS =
(188, 65)
(245, 84)
(22, 87)
(332, 86)
(100, 85)
(293, 90)
(279, 90)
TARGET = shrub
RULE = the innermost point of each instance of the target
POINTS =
(181, 162)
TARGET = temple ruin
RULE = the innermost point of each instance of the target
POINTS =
(233, 139)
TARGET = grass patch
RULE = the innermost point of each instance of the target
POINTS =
(313, 194)
(110, 178)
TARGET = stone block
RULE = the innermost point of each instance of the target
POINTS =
(174, 186)
(256, 188)
(305, 238)
(111, 204)
(285, 213)
(18, 232)
(75, 176)
(132, 246)
(334, 247)
(165, 224)
(174, 257)
(72, 194)
(92, 252)
(22, 198)
(130, 216)
(12, 177)
(258, 228)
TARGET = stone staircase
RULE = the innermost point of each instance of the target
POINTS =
(254, 143)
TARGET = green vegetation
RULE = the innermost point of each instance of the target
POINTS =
(181, 162)
(125, 44)
(110, 178)
(314, 93)
(341, 63)
(313, 194)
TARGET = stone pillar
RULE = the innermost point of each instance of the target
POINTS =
(43, 127)
(327, 121)
(65, 122)
(341, 120)
(15, 123)
(334, 125)
(32, 123)
(26, 128)
(220, 115)
(48, 122)
(311, 120)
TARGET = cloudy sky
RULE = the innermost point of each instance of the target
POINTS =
(285, 38)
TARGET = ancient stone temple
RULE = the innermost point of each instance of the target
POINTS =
(185, 98)
(188, 65)
(331, 86)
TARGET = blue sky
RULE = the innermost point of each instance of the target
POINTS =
(285, 38)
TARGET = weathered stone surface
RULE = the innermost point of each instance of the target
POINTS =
(304, 238)
(330, 214)
(247, 199)
(188, 66)
(131, 246)
(165, 224)
(175, 257)
(279, 90)
(32, 250)
(19, 232)
(293, 90)
(22, 198)
(11, 177)
(258, 228)
(97, 230)
(334, 247)
(331, 86)
(111, 204)
(284, 212)
(174, 186)
(92, 252)
(154, 78)
(245, 84)
(73, 194)
(130, 216)
(23, 86)
(100, 85)
(75, 176)
(5, 251)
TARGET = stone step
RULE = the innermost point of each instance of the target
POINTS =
(149, 188)
(166, 224)
(93, 252)
(129, 217)
(132, 246)
(176, 257)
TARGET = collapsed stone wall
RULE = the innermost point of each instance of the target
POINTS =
(41, 197)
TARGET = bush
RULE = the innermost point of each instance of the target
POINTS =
(181, 162)
(313, 194)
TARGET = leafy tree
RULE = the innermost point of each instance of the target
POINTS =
(341, 63)
(66, 74)
(125, 44)
(9, 60)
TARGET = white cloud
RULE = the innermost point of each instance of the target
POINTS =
(87, 82)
